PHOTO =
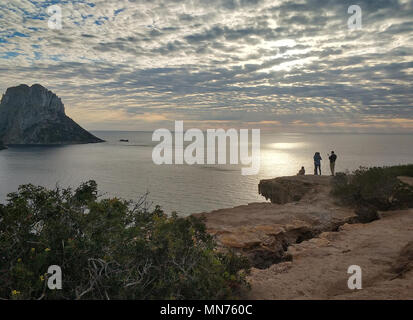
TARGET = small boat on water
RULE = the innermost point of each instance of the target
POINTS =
(124, 140)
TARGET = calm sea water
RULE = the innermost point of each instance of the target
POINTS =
(126, 169)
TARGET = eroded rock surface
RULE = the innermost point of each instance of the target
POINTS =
(289, 189)
(318, 270)
(302, 248)
(264, 231)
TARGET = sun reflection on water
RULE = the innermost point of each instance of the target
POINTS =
(286, 145)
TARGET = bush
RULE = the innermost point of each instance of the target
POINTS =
(366, 214)
(108, 249)
(375, 187)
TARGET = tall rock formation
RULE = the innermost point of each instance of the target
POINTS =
(34, 115)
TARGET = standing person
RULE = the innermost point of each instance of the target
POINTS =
(317, 163)
(333, 159)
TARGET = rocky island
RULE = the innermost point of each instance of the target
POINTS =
(36, 116)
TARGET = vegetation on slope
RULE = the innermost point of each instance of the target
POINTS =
(108, 249)
(376, 188)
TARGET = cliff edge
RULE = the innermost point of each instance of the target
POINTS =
(264, 231)
(301, 245)
(34, 115)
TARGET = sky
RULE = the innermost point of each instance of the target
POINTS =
(283, 66)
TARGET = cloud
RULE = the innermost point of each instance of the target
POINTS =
(131, 64)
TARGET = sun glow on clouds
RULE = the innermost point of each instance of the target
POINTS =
(270, 64)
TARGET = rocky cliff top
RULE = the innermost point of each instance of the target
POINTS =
(288, 189)
(302, 243)
(35, 115)
(263, 231)
(36, 97)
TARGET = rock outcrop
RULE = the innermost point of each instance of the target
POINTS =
(318, 268)
(36, 116)
(264, 231)
(288, 189)
(303, 243)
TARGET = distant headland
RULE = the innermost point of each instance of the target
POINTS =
(36, 116)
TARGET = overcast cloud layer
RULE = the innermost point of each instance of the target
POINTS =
(280, 65)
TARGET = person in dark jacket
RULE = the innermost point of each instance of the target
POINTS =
(317, 163)
(332, 158)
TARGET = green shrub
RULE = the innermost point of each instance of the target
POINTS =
(377, 187)
(108, 249)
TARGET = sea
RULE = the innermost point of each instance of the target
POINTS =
(126, 169)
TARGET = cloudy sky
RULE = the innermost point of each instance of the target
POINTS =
(276, 65)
